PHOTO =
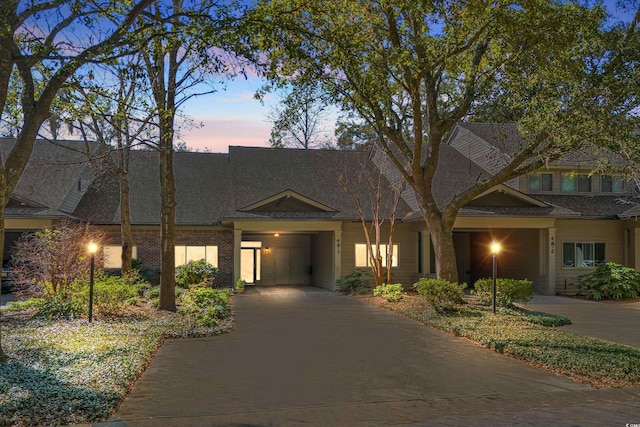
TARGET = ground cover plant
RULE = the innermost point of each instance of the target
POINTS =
(532, 337)
(390, 292)
(64, 371)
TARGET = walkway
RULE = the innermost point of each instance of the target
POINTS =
(609, 321)
(303, 356)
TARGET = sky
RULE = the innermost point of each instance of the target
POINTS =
(229, 117)
(234, 117)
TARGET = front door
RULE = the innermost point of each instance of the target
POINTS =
(250, 264)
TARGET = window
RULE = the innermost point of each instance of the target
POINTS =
(584, 183)
(541, 182)
(579, 254)
(612, 184)
(363, 258)
(184, 254)
(113, 255)
(568, 182)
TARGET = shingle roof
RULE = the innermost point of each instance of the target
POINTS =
(507, 138)
(212, 186)
(590, 206)
(53, 170)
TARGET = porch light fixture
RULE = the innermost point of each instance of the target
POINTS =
(276, 234)
(267, 250)
(92, 247)
(495, 250)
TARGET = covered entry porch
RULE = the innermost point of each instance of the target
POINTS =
(528, 244)
(285, 253)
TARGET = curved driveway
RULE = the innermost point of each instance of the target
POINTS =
(304, 356)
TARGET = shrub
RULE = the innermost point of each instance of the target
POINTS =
(390, 292)
(146, 274)
(353, 284)
(206, 305)
(508, 291)
(58, 307)
(196, 272)
(442, 295)
(611, 281)
(24, 305)
(112, 294)
(51, 259)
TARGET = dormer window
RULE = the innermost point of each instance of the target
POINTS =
(568, 182)
(572, 182)
(541, 182)
(612, 184)
(584, 183)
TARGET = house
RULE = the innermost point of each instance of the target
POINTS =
(280, 216)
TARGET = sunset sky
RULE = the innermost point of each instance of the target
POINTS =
(234, 117)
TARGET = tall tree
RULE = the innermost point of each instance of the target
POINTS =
(411, 70)
(42, 44)
(300, 119)
(115, 113)
(379, 207)
(178, 66)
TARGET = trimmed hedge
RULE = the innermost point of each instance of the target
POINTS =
(442, 295)
(508, 291)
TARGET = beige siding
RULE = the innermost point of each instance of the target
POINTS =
(405, 236)
(322, 260)
(610, 232)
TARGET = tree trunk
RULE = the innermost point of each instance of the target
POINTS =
(3, 202)
(441, 229)
(445, 253)
(167, 225)
(125, 225)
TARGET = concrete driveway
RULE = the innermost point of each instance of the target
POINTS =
(304, 356)
(617, 322)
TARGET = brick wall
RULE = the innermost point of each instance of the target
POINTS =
(148, 246)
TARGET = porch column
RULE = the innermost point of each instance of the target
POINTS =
(237, 246)
(426, 253)
(552, 251)
(337, 255)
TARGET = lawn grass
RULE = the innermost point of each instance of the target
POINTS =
(530, 336)
(65, 372)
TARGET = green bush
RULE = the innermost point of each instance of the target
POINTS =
(611, 281)
(508, 291)
(24, 305)
(390, 292)
(112, 295)
(353, 284)
(442, 295)
(206, 305)
(58, 307)
(194, 273)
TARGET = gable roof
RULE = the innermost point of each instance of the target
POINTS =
(287, 201)
(243, 184)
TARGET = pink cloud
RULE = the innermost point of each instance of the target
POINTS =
(218, 134)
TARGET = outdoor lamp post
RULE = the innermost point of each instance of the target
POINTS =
(495, 249)
(93, 248)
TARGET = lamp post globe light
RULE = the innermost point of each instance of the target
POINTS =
(495, 250)
(92, 247)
